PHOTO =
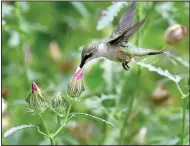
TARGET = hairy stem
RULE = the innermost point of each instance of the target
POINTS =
(65, 122)
(49, 135)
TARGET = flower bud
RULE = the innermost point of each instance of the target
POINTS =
(59, 104)
(76, 87)
(36, 101)
(175, 33)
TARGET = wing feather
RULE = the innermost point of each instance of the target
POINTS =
(126, 21)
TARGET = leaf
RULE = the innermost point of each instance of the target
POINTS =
(81, 8)
(111, 12)
(94, 117)
(180, 60)
(14, 129)
(161, 72)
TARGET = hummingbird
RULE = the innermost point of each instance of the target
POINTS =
(116, 48)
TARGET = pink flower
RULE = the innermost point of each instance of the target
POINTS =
(76, 87)
(35, 89)
(37, 103)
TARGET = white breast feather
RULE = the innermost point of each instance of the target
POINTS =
(102, 49)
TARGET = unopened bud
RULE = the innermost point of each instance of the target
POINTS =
(59, 104)
(76, 87)
(36, 101)
(175, 33)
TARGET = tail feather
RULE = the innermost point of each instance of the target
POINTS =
(156, 52)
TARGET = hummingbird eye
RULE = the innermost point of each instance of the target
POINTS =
(88, 55)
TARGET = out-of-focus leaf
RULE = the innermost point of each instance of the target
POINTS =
(186, 139)
(170, 141)
(166, 73)
(14, 129)
(94, 117)
(14, 39)
(180, 60)
(165, 10)
(111, 12)
(81, 8)
(6, 9)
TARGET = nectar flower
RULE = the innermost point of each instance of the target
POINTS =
(36, 101)
(59, 104)
(76, 87)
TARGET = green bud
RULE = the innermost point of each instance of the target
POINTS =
(75, 87)
(59, 104)
(37, 103)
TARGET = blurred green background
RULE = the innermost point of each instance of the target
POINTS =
(42, 42)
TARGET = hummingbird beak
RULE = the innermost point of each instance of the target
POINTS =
(82, 63)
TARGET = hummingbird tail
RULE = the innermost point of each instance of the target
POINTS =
(156, 52)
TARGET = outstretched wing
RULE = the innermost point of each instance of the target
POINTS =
(126, 21)
(126, 27)
(117, 40)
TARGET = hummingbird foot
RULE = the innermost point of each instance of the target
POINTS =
(125, 66)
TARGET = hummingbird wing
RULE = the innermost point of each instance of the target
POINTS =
(126, 21)
(125, 27)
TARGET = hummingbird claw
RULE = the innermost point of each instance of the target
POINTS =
(125, 66)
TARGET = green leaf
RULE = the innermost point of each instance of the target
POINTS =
(94, 117)
(161, 72)
(180, 60)
(14, 129)
(111, 12)
(81, 8)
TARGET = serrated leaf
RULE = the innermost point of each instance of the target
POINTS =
(180, 60)
(14, 129)
(94, 117)
(111, 12)
(166, 73)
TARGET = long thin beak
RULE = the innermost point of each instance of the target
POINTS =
(82, 63)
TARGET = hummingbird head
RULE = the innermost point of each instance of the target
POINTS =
(89, 52)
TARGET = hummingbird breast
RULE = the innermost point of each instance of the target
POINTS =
(112, 53)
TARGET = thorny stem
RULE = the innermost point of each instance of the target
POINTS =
(49, 135)
(65, 122)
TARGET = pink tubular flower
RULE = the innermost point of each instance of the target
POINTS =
(76, 87)
(35, 89)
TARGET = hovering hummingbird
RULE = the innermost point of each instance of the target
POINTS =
(116, 48)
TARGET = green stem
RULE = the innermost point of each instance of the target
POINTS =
(65, 122)
(130, 105)
(41, 132)
(49, 135)
(183, 120)
(184, 104)
(180, 90)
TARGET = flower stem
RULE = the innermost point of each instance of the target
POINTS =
(65, 122)
(183, 120)
(130, 105)
(184, 104)
(49, 135)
